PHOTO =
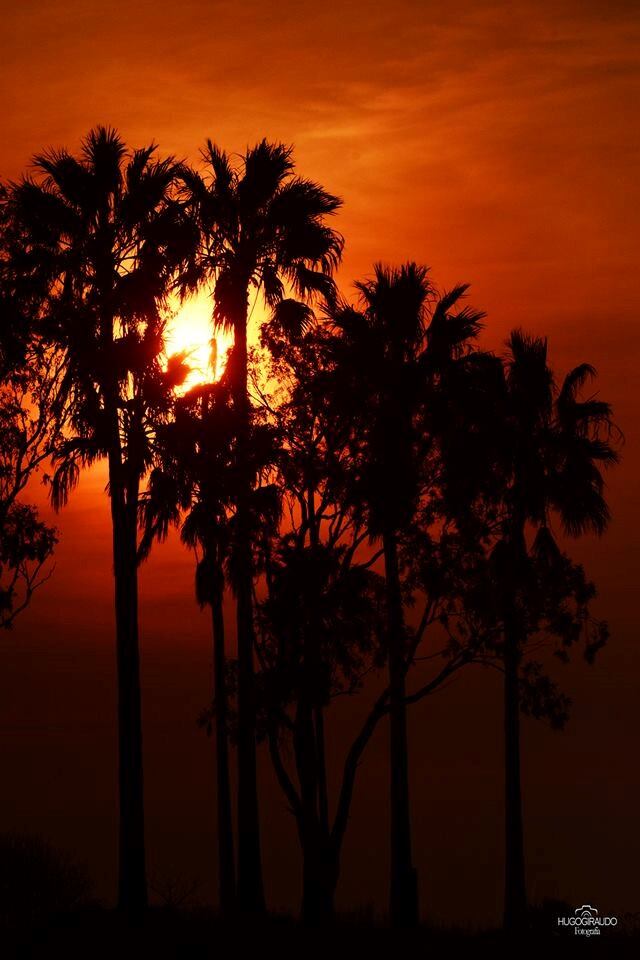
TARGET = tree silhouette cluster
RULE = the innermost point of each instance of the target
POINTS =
(376, 493)
(29, 424)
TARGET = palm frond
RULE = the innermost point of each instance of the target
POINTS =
(300, 200)
(291, 318)
(68, 176)
(103, 150)
(219, 162)
(265, 167)
(575, 381)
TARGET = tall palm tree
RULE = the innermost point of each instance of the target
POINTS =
(107, 232)
(263, 230)
(395, 349)
(193, 484)
(554, 446)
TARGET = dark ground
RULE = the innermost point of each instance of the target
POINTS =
(95, 932)
(48, 909)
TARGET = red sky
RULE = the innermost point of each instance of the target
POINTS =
(497, 142)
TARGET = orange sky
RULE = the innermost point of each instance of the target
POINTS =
(497, 142)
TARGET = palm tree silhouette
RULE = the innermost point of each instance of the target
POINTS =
(554, 446)
(262, 229)
(401, 341)
(194, 484)
(106, 231)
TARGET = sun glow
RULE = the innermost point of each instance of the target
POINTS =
(190, 332)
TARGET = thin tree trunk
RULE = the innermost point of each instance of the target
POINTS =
(319, 865)
(226, 867)
(305, 756)
(319, 872)
(323, 793)
(515, 899)
(250, 885)
(403, 892)
(320, 878)
(132, 883)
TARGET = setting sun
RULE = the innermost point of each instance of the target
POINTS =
(190, 332)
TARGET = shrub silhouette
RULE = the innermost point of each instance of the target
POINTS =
(37, 883)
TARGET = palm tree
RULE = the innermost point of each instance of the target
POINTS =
(394, 349)
(263, 229)
(107, 232)
(554, 446)
(193, 484)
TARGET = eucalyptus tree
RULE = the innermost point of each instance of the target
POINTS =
(30, 422)
(27, 433)
(395, 347)
(106, 232)
(317, 619)
(322, 621)
(264, 232)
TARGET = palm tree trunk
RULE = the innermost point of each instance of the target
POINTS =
(123, 494)
(226, 867)
(250, 885)
(515, 899)
(403, 892)
(132, 883)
